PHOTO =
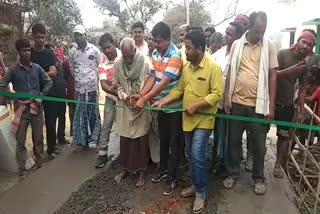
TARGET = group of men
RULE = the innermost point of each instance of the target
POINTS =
(238, 73)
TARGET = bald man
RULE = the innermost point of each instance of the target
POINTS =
(130, 72)
(183, 29)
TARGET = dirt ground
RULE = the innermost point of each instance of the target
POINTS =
(102, 194)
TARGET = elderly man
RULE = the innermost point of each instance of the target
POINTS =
(293, 64)
(151, 46)
(183, 29)
(84, 61)
(253, 62)
(130, 72)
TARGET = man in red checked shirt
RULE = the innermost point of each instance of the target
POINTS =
(106, 70)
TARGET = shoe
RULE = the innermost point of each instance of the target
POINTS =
(170, 188)
(159, 177)
(101, 161)
(198, 205)
(248, 167)
(187, 192)
(38, 163)
(260, 188)
(57, 151)
(22, 174)
(51, 156)
(63, 142)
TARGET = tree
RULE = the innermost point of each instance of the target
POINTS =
(176, 16)
(59, 16)
(127, 12)
(199, 15)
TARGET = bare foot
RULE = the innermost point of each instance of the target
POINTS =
(120, 176)
(141, 180)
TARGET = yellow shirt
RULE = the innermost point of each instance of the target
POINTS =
(246, 87)
(196, 84)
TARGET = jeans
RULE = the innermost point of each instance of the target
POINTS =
(109, 112)
(170, 131)
(258, 135)
(197, 148)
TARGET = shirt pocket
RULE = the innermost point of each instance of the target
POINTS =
(200, 86)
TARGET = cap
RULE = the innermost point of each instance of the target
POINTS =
(242, 19)
(79, 29)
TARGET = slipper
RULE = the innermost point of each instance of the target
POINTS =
(228, 182)
(140, 183)
(248, 167)
(77, 149)
(198, 205)
(278, 172)
(259, 188)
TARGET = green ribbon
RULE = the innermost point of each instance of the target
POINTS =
(223, 116)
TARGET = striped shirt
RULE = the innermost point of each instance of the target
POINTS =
(167, 66)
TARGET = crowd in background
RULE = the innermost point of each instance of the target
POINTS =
(237, 72)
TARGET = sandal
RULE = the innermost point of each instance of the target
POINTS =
(259, 188)
(228, 182)
(198, 205)
(278, 172)
(141, 180)
(77, 149)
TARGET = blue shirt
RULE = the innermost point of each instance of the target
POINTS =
(32, 80)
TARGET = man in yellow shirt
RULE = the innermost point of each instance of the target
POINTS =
(201, 87)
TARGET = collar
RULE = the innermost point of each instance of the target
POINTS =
(247, 42)
(202, 62)
(87, 47)
(142, 44)
(168, 50)
(20, 65)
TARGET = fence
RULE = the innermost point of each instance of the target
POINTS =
(303, 167)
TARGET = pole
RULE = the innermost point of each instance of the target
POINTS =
(292, 34)
(188, 11)
(318, 40)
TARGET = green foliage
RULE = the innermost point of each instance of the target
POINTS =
(175, 17)
(127, 12)
(59, 16)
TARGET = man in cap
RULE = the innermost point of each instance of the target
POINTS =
(243, 20)
(84, 61)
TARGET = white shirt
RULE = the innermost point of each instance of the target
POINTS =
(84, 66)
(222, 58)
(143, 48)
